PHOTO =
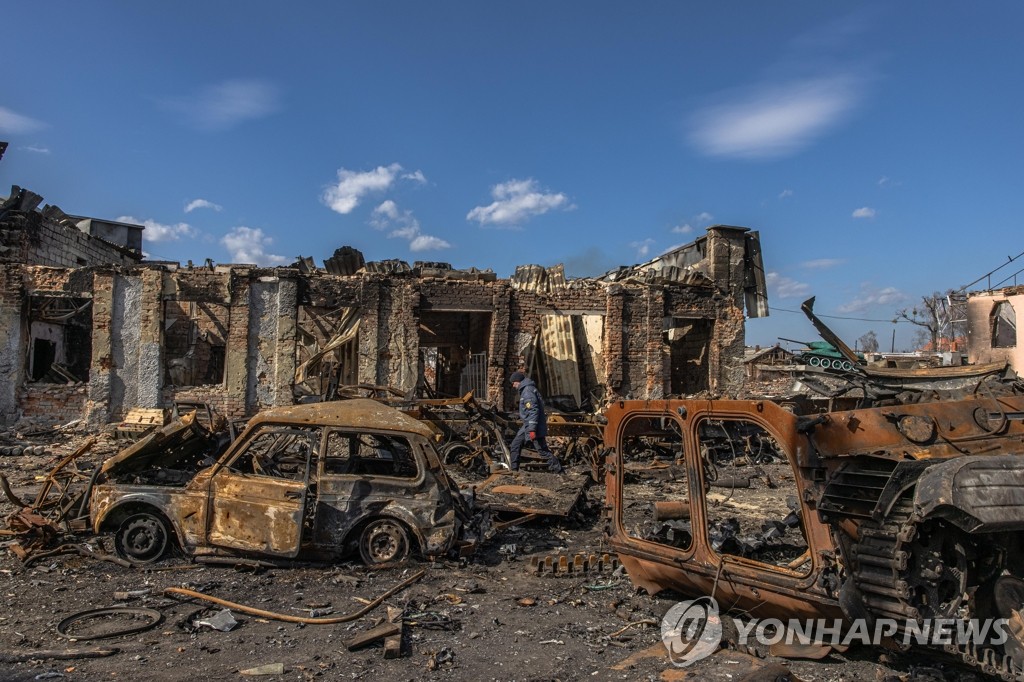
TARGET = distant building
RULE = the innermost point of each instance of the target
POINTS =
(993, 334)
(756, 359)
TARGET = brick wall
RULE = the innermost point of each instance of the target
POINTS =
(52, 404)
(254, 312)
(30, 238)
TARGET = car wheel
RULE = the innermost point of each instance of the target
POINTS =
(384, 541)
(142, 538)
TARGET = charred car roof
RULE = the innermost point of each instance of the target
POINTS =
(358, 412)
(183, 438)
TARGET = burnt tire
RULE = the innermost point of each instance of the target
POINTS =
(384, 541)
(142, 538)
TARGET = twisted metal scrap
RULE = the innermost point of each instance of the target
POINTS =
(241, 608)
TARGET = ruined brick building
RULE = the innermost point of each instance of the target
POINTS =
(90, 330)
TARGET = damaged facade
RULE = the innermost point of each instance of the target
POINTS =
(992, 332)
(95, 341)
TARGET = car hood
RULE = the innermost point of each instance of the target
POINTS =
(183, 440)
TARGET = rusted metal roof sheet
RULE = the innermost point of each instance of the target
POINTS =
(345, 261)
(530, 278)
(561, 363)
(348, 329)
(755, 286)
(538, 279)
(391, 266)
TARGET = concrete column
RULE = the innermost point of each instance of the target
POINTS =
(615, 338)
(236, 370)
(97, 406)
(369, 332)
(287, 319)
(654, 361)
(125, 335)
(151, 360)
(499, 362)
(12, 341)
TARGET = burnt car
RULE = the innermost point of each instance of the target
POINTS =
(908, 513)
(321, 480)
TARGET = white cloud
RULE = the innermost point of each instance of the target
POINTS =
(36, 150)
(387, 211)
(869, 296)
(407, 232)
(15, 124)
(247, 244)
(160, 232)
(425, 242)
(774, 120)
(224, 105)
(642, 247)
(403, 224)
(865, 212)
(352, 186)
(822, 263)
(517, 200)
(416, 176)
(785, 194)
(703, 219)
(202, 203)
(784, 287)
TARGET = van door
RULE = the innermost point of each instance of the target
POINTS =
(258, 499)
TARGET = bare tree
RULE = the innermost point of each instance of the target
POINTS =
(938, 328)
(869, 342)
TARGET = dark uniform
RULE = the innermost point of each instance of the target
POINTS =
(535, 425)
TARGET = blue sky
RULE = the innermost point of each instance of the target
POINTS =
(877, 147)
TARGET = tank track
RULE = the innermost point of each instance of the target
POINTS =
(881, 571)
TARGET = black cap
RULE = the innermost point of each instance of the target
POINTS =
(516, 376)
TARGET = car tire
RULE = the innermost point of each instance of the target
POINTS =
(384, 541)
(142, 538)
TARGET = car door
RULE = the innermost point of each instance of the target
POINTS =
(757, 529)
(258, 498)
(361, 474)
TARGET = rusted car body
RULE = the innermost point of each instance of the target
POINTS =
(319, 479)
(908, 512)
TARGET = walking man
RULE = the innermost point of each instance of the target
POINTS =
(535, 424)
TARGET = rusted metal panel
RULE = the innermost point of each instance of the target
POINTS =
(530, 278)
(358, 413)
(532, 493)
(346, 331)
(345, 261)
(181, 439)
(907, 510)
(560, 362)
(538, 279)
(256, 513)
(755, 285)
